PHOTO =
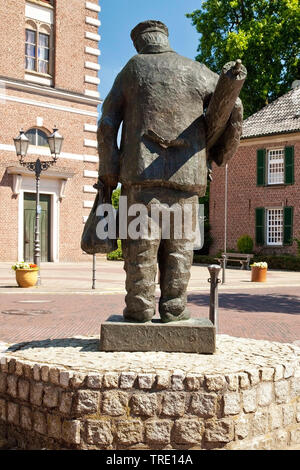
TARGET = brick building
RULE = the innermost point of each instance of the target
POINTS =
(48, 76)
(263, 196)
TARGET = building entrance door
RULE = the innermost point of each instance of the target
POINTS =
(29, 223)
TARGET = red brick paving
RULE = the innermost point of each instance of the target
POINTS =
(271, 314)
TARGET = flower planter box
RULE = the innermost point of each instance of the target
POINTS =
(27, 277)
(258, 274)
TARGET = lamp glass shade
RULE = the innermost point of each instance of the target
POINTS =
(21, 144)
(55, 141)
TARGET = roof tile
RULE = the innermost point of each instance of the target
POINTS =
(280, 116)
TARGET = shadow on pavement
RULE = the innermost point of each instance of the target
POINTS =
(10, 287)
(273, 303)
(82, 344)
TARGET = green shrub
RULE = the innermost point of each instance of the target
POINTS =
(245, 244)
(204, 259)
(282, 262)
(208, 240)
(116, 255)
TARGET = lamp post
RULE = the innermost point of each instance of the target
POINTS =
(224, 260)
(21, 142)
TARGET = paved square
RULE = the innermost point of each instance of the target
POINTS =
(65, 305)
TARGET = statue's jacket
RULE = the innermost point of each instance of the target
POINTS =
(159, 98)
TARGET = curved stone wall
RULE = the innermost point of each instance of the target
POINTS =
(66, 394)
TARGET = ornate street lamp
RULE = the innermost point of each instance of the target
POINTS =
(55, 141)
(21, 142)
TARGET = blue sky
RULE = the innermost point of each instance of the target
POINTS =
(119, 17)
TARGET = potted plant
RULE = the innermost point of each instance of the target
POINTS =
(26, 274)
(259, 272)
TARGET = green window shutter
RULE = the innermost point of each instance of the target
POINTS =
(261, 167)
(287, 225)
(260, 226)
(289, 165)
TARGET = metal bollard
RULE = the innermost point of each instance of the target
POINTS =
(94, 272)
(214, 270)
(223, 264)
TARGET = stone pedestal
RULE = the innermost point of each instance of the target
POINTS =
(66, 394)
(196, 335)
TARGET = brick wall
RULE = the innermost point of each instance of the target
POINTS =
(12, 37)
(71, 104)
(244, 196)
(71, 207)
(69, 45)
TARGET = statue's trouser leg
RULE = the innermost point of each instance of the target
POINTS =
(174, 255)
(141, 266)
(175, 260)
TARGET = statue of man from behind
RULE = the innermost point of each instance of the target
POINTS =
(167, 145)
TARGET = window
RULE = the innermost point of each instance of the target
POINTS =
(37, 137)
(43, 53)
(37, 48)
(274, 226)
(30, 50)
(276, 166)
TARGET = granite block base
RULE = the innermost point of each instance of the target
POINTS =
(196, 335)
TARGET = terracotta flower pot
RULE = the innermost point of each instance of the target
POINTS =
(258, 274)
(27, 277)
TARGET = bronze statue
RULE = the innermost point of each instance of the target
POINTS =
(167, 145)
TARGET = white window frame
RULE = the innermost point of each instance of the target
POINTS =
(40, 29)
(40, 20)
(275, 161)
(269, 227)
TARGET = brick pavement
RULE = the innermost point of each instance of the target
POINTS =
(260, 314)
(66, 306)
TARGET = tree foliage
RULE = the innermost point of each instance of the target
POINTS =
(115, 197)
(263, 33)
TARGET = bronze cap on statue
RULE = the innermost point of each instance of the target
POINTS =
(147, 27)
